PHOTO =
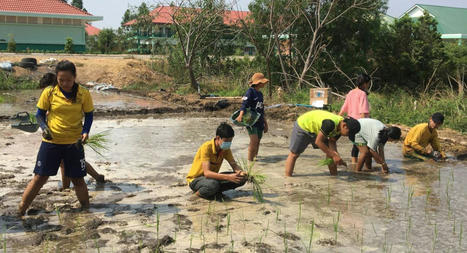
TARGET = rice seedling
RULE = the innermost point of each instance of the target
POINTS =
(218, 228)
(278, 211)
(286, 247)
(409, 197)
(191, 241)
(336, 225)
(179, 222)
(409, 229)
(228, 223)
(266, 231)
(386, 249)
(454, 225)
(254, 177)
(329, 193)
(428, 192)
(98, 142)
(374, 229)
(157, 224)
(461, 231)
(326, 162)
(299, 214)
(312, 228)
(201, 229)
(57, 210)
(435, 237)
(4, 239)
(388, 196)
(232, 242)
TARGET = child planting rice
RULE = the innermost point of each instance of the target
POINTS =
(370, 141)
(321, 129)
(418, 138)
(204, 178)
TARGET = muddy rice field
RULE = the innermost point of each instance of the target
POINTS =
(146, 206)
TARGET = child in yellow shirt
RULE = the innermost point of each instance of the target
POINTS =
(64, 104)
(418, 138)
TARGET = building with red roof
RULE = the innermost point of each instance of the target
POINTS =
(92, 30)
(43, 24)
(161, 32)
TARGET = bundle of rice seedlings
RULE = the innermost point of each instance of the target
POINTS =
(98, 142)
(326, 162)
(255, 178)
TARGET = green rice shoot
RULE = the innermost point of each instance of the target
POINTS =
(255, 178)
(32, 118)
(98, 142)
(326, 162)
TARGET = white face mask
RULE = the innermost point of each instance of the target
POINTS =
(226, 145)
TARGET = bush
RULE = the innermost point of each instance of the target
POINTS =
(69, 45)
(10, 82)
(11, 44)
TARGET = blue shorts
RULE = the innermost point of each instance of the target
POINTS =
(50, 155)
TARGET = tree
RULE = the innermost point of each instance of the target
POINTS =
(196, 23)
(456, 65)
(77, 3)
(127, 17)
(11, 47)
(69, 45)
(106, 40)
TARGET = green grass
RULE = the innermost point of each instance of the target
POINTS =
(10, 82)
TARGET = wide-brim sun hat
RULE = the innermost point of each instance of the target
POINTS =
(258, 78)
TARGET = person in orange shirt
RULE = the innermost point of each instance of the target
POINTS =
(418, 138)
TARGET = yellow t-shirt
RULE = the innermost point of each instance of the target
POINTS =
(64, 118)
(419, 137)
(207, 152)
(312, 122)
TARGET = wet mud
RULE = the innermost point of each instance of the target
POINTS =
(146, 206)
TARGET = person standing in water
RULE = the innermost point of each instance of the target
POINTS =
(63, 134)
(253, 100)
(356, 106)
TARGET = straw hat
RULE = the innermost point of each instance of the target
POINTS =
(258, 78)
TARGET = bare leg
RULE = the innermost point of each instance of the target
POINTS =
(81, 190)
(65, 179)
(30, 193)
(253, 147)
(93, 173)
(368, 161)
(290, 164)
(362, 156)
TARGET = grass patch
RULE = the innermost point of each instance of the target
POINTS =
(10, 82)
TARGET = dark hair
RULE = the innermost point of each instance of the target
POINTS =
(48, 79)
(224, 130)
(66, 65)
(438, 118)
(362, 79)
(389, 132)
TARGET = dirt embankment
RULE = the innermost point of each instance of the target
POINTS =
(118, 71)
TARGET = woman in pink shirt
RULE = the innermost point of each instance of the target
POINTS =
(356, 105)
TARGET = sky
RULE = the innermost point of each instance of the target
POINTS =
(113, 10)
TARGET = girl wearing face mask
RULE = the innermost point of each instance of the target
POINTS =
(204, 178)
(64, 103)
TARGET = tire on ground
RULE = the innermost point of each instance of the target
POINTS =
(29, 60)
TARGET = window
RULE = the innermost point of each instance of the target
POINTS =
(10, 19)
(57, 21)
(47, 21)
(77, 22)
(23, 20)
(33, 20)
(67, 21)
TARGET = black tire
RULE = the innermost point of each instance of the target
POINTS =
(29, 60)
(27, 65)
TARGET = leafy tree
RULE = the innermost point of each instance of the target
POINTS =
(69, 45)
(106, 41)
(77, 3)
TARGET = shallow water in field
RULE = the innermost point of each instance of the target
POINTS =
(418, 207)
